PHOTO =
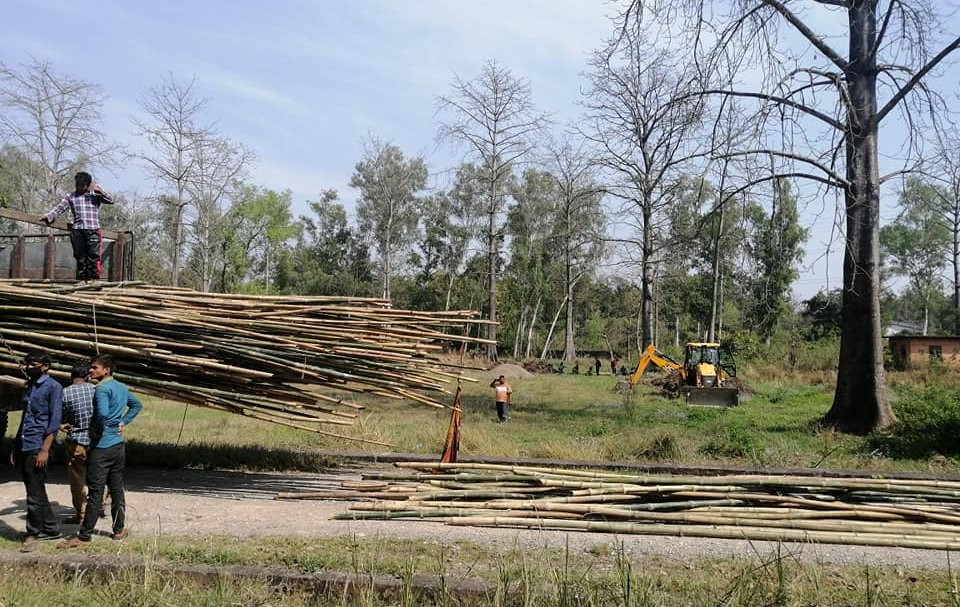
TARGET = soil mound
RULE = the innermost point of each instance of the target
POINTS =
(510, 371)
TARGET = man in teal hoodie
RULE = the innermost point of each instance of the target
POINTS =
(113, 408)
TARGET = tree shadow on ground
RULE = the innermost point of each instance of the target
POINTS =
(227, 484)
(211, 457)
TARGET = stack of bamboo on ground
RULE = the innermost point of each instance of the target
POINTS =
(254, 355)
(861, 511)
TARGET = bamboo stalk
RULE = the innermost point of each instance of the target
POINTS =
(745, 533)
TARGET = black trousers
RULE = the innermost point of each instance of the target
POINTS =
(40, 518)
(104, 469)
(502, 411)
(86, 250)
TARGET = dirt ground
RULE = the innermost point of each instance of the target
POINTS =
(194, 502)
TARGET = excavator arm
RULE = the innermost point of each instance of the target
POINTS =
(653, 356)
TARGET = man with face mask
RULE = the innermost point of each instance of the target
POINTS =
(42, 410)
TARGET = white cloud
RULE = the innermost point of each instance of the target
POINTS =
(233, 83)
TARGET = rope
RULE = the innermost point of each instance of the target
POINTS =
(183, 421)
(13, 354)
(96, 337)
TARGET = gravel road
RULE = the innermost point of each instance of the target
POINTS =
(194, 502)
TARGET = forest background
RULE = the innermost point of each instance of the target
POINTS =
(537, 221)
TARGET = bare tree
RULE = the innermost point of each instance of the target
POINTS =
(56, 122)
(493, 116)
(531, 226)
(728, 172)
(388, 210)
(463, 223)
(642, 121)
(579, 226)
(219, 164)
(947, 163)
(171, 127)
(824, 104)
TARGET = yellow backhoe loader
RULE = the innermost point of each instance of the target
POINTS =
(703, 378)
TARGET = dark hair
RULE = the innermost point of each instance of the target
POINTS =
(37, 356)
(82, 180)
(80, 369)
(105, 360)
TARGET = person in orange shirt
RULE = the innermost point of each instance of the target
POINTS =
(502, 390)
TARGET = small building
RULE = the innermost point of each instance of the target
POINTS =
(902, 327)
(911, 351)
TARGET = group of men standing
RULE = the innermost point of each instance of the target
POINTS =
(93, 419)
(92, 416)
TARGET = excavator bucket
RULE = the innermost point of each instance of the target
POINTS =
(713, 397)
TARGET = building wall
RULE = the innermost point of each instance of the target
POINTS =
(920, 351)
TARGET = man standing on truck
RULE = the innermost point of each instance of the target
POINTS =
(85, 235)
(39, 424)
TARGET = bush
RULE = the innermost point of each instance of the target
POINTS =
(664, 446)
(928, 423)
(732, 442)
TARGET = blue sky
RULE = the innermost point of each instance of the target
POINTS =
(303, 83)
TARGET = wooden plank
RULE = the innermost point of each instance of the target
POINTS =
(49, 256)
(116, 261)
(19, 258)
(59, 224)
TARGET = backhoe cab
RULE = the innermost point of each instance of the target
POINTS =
(705, 378)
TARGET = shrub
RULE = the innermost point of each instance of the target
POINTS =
(664, 446)
(731, 442)
(928, 423)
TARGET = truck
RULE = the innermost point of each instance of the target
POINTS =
(11, 399)
(47, 253)
(43, 251)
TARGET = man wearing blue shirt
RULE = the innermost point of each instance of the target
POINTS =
(39, 424)
(113, 408)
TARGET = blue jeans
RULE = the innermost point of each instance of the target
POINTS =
(104, 469)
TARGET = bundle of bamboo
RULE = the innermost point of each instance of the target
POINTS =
(247, 354)
(860, 511)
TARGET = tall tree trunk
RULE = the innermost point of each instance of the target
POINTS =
(492, 274)
(177, 241)
(860, 402)
(569, 350)
(519, 332)
(446, 302)
(533, 322)
(639, 332)
(647, 261)
(720, 308)
(553, 325)
(955, 260)
(656, 312)
(715, 274)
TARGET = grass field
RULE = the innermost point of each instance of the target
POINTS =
(553, 416)
(605, 575)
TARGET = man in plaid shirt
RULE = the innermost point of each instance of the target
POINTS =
(77, 413)
(85, 203)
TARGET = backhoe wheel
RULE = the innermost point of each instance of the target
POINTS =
(3, 423)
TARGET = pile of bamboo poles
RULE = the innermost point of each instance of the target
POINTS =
(253, 355)
(859, 511)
